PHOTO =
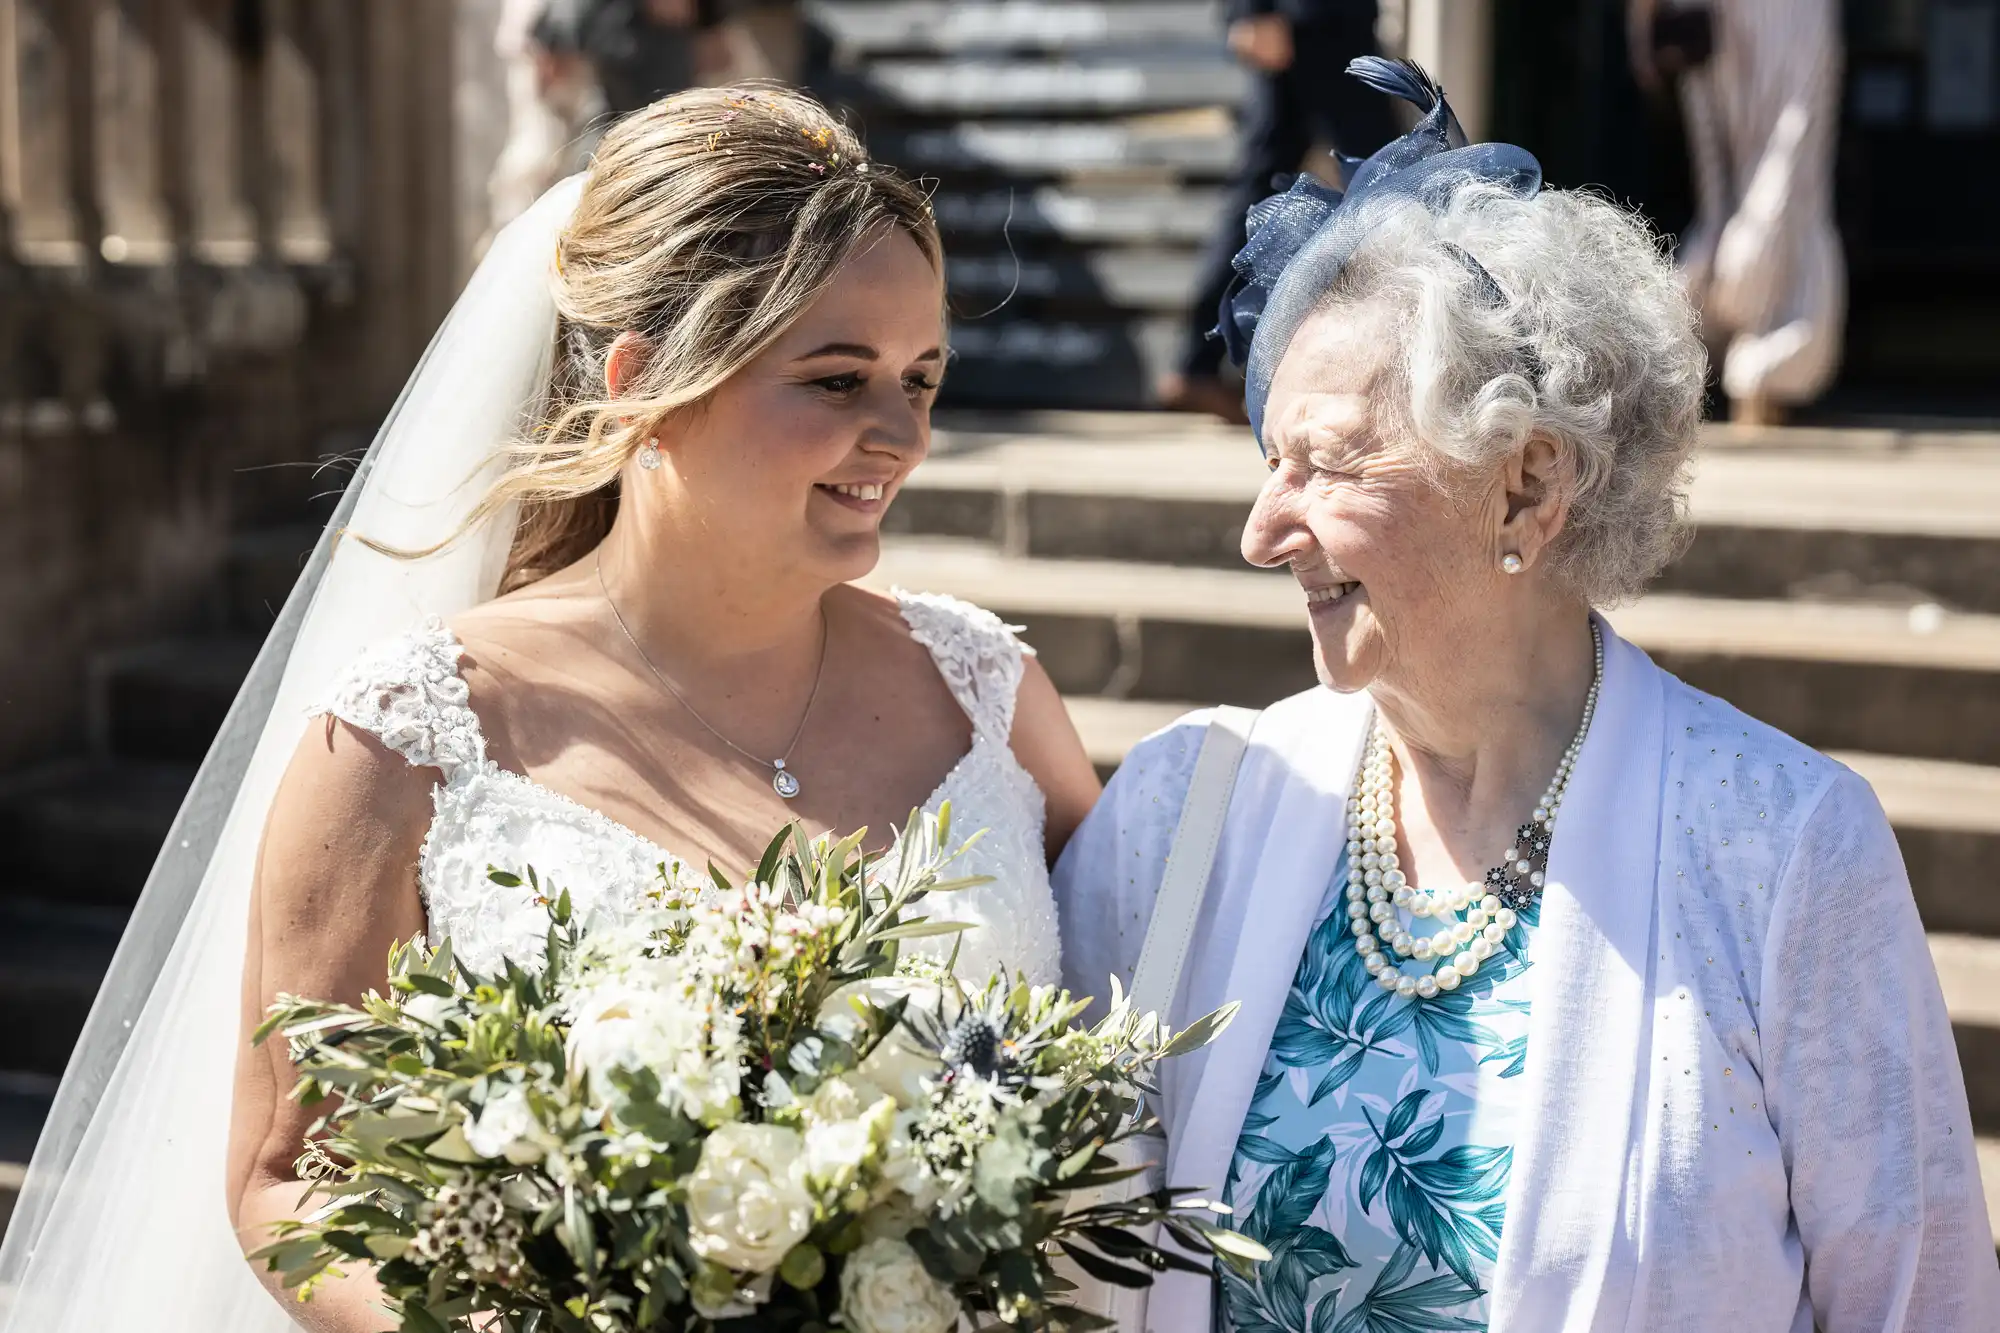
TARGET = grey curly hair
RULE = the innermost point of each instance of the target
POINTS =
(1558, 315)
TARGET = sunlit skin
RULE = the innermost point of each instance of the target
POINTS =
(1480, 675)
(731, 563)
(843, 396)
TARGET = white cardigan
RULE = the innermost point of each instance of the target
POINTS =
(1748, 1107)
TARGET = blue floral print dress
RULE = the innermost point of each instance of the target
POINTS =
(1375, 1158)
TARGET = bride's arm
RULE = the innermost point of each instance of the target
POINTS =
(335, 887)
(1045, 741)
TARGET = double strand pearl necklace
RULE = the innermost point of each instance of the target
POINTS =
(1377, 887)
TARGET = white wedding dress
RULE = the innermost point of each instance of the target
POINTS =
(408, 693)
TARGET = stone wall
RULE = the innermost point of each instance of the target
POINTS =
(227, 229)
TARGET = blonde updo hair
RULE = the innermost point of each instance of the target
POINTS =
(709, 222)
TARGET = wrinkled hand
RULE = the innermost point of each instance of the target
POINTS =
(1262, 41)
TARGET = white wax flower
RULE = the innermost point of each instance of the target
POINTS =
(885, 1288)
(747, 1199)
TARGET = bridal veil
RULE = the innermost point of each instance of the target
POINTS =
(122, 1225)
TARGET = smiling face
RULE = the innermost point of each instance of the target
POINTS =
(1401, 578)
(796, 457)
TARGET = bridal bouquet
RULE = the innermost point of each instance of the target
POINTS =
(749, 1109)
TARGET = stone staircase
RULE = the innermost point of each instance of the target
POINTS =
(1076, 150)
(1844, 586)
(82, 832)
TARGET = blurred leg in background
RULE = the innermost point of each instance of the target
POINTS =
(1302, 95)
(1759, 84)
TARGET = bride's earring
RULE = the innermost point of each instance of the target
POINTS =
(649, 455)
(1512, 563)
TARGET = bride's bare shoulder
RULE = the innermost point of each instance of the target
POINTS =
(879, 618)
(549, 620)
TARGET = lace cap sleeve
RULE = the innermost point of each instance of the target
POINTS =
(976, 652)
(407, 693)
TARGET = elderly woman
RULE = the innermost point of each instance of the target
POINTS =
(1571, 998)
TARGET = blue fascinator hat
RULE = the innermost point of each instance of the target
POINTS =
(1301, 240)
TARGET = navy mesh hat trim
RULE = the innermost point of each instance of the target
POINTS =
(1300, 241)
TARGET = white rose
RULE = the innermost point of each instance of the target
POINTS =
(884, 1288)
(747, 1198)
(503, 1127)
(904, 1170)
(654, 1023)
(835, 1099)
(836, 1150)
(899, 1065)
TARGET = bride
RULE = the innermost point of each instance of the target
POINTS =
(746, 323)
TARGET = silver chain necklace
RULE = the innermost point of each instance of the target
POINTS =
(783, 780)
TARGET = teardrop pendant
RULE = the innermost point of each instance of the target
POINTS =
(782, 780)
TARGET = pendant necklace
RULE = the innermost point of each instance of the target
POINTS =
(783, 780)
(1377, 889)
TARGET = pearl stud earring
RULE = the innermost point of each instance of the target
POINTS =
(649, 456)
(1512, 563)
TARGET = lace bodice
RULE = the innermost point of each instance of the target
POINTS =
(408, 693)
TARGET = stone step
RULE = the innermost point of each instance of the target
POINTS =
(1836, 676)
(165, 700)
(1850, 516)
(51, 962)
(86, 832)
(1147, 279)
(1969, 971)
(1086, 84)
(1077, 215)
(1947, 819)
(927, 25)
(1197, 143)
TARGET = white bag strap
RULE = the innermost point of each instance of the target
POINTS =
(1156, 981)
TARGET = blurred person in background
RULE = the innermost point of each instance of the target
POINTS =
(1758, 82)
(642, 50)
(555, 108)
(1297, 49)
(573, 66)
